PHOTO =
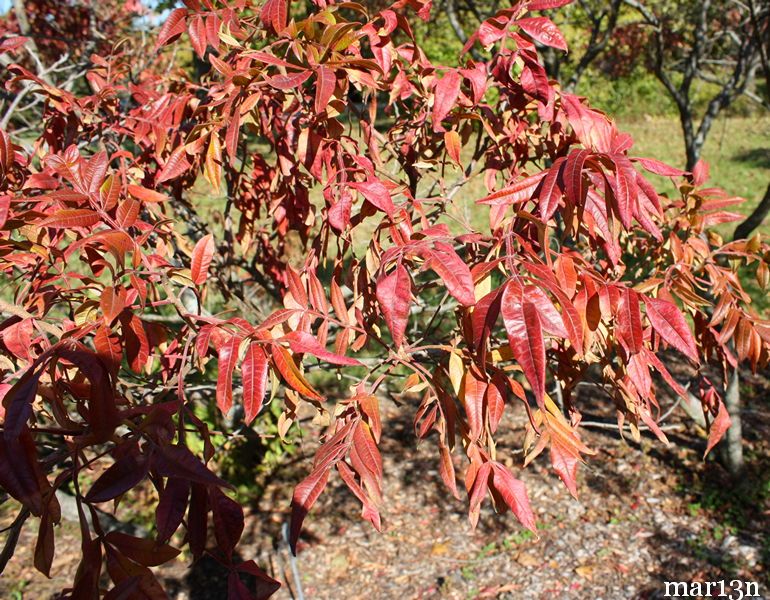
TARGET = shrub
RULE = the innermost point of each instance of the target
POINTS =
(570, 261)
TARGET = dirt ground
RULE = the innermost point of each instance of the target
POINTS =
(645, 514)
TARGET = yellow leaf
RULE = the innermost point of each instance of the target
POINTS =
(456, 372)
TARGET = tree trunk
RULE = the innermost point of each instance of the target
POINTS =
(731, 451)
(755, 219)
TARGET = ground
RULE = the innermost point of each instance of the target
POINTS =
(645, 514)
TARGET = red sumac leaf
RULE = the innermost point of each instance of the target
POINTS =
(514, 493)
(175, 165)
(228, 356)
(478, 491)
(197, 519)
(254, 370)
(266, 586)
(127, 213)
(227, 515)
(453, 272)
(124, 474)
(108, 346)
(543, 30)
(718, 427)
(202, 255)
(305, 495)
(285, 365)
(137, 346)
(5, 208)
(17, 337)
(519, 192)
(274, 14)
(629, 320)
(447, 470)
(446, 93)
(301, 342)
(145, 195)
(112, 303)
(376, 193)
(172, 505)
(327, 81)
(213, 164)
(178, 461)
(525, 335)
(288, 82)
(495, 400)
(547, 4)
(669, 322)
(197, 32)
(474, 389)
(69, 218)
(565, 464)
(658, 167)
(44, 546)
(173, 27)
(145, 552)
(394, 294)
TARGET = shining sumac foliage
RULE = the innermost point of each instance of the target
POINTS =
(345, 232)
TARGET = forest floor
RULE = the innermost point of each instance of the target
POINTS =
(646, 513)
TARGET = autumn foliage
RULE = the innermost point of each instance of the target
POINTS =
(326, 128)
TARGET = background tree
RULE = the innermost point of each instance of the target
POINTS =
(706, 41)
(335, 239)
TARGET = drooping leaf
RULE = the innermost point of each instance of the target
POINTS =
(565, 464)
(525, 335)
(453, 145)
(227, 515)
(254, 371)
(394, 294)
(474, 390)
(112, 303)
(213, 163)
(305, 495)
(629, 320)
(171, 508)
(325, 85)
(228, 356)
(514, 493)
(718, 427)
(274, 14)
